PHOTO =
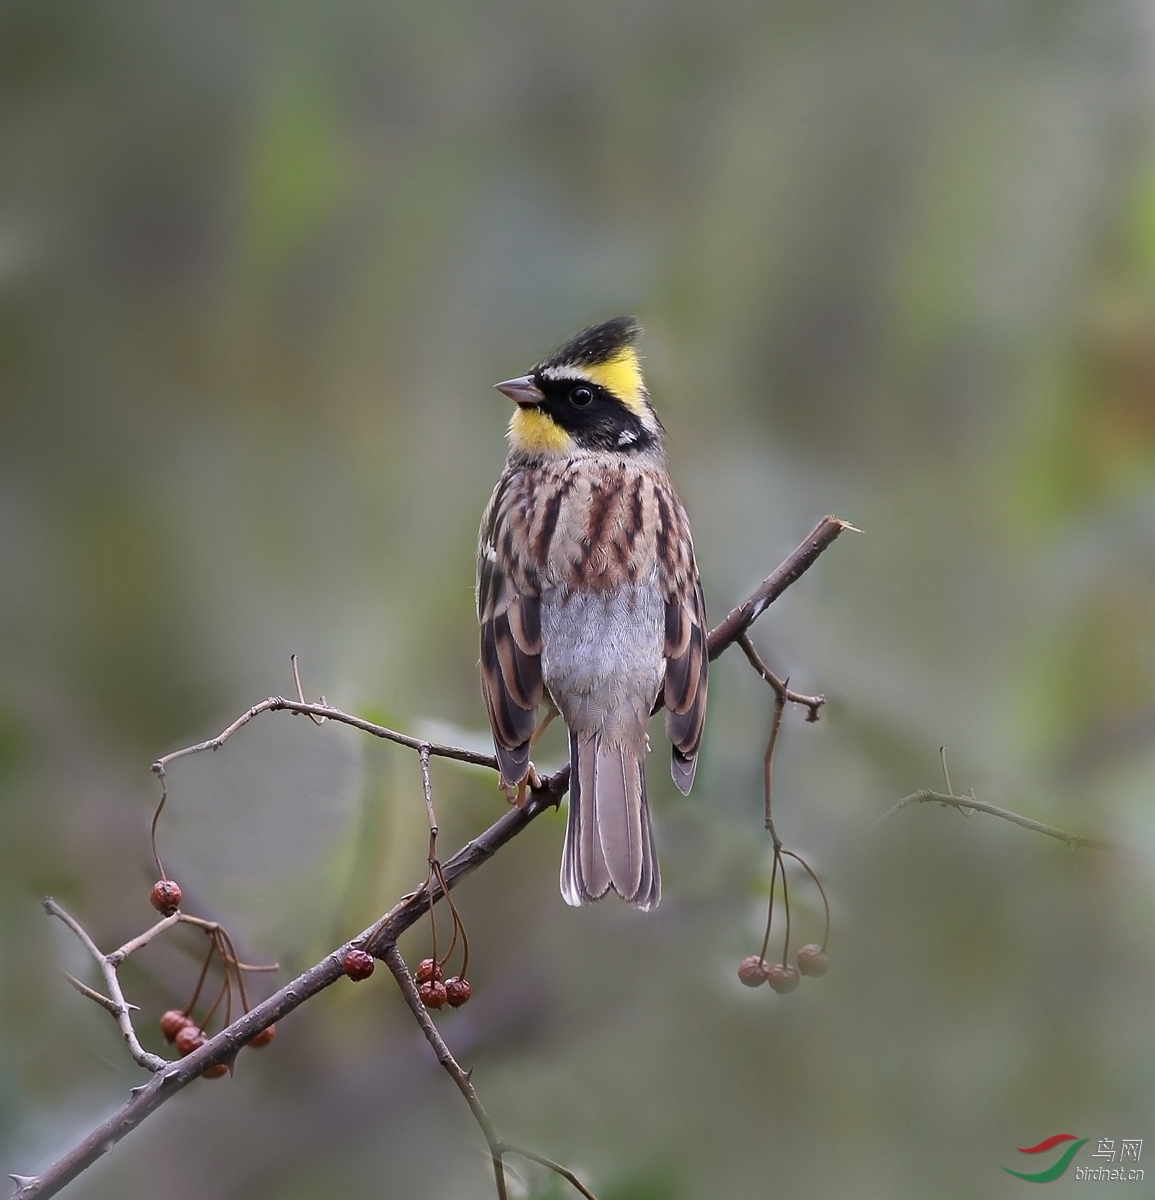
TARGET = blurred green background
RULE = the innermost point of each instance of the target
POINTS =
(260, 264)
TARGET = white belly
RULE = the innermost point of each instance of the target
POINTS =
(602, 658)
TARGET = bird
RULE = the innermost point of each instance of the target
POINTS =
(590, 604)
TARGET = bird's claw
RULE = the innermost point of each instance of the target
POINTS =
(519, 795)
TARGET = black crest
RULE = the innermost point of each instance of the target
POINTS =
(597, 344)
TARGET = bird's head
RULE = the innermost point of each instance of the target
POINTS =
(588, 395)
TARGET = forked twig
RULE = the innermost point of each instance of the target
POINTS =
(114, 1001)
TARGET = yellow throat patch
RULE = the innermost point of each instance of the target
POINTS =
(622, 376)
(537, 433)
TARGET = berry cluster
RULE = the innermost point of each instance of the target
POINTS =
(812, 959)
(181, 1031)
(754, 971)
(436, 991)
(178, 1026)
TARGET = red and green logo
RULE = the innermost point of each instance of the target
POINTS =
(1058, 1166)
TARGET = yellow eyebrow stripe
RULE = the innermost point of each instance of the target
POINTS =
(622, 376)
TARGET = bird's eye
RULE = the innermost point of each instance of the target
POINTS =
(581, 396)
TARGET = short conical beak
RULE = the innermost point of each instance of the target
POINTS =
(522, 390)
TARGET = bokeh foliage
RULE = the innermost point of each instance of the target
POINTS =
(259, 264)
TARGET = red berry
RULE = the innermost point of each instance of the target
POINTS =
(216, 1071)
(428, 970)
(432, 994)
(358, 965)
(165, 896)
(813, 960)
(752, 971)
(457, 991)
(173, 1022)
(265, 1036)
(190, 1038)
(783, 978)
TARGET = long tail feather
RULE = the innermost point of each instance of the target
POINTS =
(609, 839)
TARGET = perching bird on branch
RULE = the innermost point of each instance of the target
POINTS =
(590, 603)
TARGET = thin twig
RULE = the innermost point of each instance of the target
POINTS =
(974, 804)
(781, 689)
(300, 690)
(557, 1168)
(396, 964)
(98, 997)
(498, 1147)
(116, 957)
(281, 704)
(768, 769)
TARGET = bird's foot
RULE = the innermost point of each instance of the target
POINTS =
(519, 795)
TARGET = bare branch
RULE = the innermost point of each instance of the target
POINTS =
(967, 804)
(225, 1046)
(170, 1078)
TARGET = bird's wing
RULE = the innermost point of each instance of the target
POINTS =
(685, 648)
(509, 611)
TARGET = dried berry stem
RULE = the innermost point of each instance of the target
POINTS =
(203, 976)
(822, 891)
(770, 908)
(786, 907)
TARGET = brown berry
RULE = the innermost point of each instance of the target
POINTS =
(783, 978)
(813, 960)
(457, 991)
(165, 896)
(432, 994)
(173, 1022)
(216, 1071)
(752, 971)
(428, 970)
(265, 1036)
(190, 1038)
(358, 965)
